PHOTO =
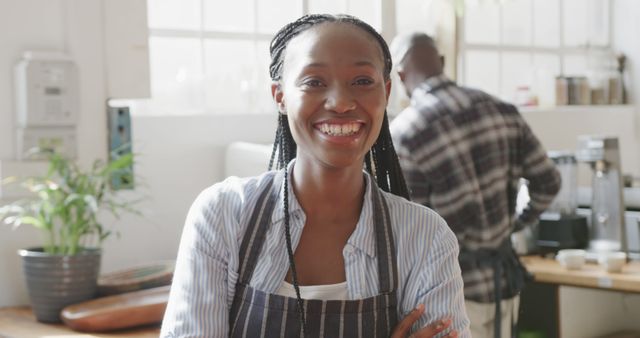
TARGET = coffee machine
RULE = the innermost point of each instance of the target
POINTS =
(560, 227)
(607, 229)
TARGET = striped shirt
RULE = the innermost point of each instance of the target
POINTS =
(463, 153)
(207, 265)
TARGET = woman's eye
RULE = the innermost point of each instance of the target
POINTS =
(363, 82)
(312, 83)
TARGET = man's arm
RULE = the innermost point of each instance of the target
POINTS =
(543, 177)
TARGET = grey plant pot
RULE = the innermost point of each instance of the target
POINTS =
(55, 281)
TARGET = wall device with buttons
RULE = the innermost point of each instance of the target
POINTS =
(46, 92)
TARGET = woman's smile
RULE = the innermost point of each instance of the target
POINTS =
(340, 131)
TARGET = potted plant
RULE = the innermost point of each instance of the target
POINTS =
(64, 205)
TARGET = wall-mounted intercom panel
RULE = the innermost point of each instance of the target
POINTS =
(46, 93)
(46, 86)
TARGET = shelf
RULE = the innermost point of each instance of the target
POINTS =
(581, 109)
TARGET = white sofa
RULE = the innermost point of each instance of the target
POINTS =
(245, 159)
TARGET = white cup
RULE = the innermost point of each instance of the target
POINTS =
(612, 261)
(572, 259)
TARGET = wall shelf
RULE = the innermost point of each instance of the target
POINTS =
(579, 109)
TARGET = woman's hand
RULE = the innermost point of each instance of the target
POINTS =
(429, 331)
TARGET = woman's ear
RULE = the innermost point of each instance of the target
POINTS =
(278, 96)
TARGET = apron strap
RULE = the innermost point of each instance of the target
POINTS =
(257, 227)
(385, 244)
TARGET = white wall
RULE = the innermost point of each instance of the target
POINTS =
(69, 26)
(179, 156)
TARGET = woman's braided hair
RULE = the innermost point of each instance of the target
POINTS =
(381, 161)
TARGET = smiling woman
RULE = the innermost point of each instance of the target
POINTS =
(327, 244)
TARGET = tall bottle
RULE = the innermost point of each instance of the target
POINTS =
(605, 220)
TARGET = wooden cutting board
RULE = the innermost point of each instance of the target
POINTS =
(119, 311)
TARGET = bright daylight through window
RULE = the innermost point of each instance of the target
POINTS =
(211, 56)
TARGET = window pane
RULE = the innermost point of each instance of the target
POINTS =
(366, 10)
(575, 23)
(546, 23)
(574, 65)
(176, 75)
(546, 67)
(516, 73)
(327, 6)
(410, 16)
(482, 23)
(230, 16)
(264, 101)
(516, 23)
(598, 22)
(273, 14)
(233, 82)
(174, 14)
(482, 71)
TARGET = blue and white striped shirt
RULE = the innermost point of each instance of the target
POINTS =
(207, 266)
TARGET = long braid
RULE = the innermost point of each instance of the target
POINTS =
(292, 264)
(381, 162)
(287, 144)
(387, 169)
(275, 144)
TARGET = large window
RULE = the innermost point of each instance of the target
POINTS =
(212, 56)
(524, 44)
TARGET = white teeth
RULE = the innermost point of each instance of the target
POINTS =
(345, 129)
(336, 130)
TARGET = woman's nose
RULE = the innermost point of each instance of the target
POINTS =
(340, 101)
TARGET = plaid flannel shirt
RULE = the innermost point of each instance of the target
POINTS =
(463, 153)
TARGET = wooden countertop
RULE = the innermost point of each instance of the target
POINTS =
(19, 322)
(546, 270)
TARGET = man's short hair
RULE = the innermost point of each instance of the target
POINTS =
(402, 43)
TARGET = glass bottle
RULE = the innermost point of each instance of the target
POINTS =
(605, 220)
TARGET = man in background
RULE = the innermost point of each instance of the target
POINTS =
(463, 153)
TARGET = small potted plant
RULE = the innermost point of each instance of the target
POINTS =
(64, 205)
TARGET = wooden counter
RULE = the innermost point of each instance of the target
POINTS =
(19, 322)
(546, 270)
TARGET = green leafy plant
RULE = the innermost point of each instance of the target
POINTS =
(66, 201)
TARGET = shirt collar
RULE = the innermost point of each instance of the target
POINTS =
(432, 83)
(362, 237)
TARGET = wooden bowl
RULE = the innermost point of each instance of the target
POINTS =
(118, 312)
(137, 278)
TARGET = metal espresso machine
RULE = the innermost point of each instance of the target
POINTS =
(560, 227)
(607, 229)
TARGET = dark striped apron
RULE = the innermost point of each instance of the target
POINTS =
(259, 314)
(502, 259)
